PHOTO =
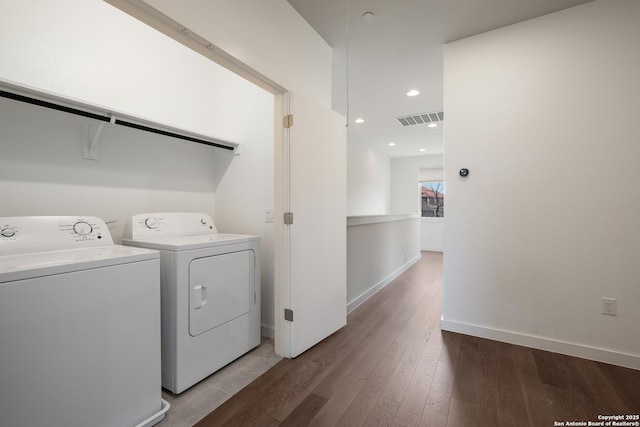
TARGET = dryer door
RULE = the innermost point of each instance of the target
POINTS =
(221, 288)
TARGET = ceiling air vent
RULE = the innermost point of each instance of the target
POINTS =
(422, 118)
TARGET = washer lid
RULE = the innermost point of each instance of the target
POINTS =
(185, 243)
(38, 264)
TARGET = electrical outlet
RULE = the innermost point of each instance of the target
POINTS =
(609, 306)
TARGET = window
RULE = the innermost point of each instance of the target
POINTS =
(432, 199)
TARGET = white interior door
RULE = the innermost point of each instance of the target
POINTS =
(315, 259)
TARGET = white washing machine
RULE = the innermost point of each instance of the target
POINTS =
(210, 292)
(79, 326)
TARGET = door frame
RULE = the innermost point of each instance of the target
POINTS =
(155, 19)
(281, 257)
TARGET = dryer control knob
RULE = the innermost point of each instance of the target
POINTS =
(82, 228)
(151, 223)
(8, 232)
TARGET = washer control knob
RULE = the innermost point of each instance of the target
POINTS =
(82, 228)
(151, 223)
(203, 221)
(8, 232)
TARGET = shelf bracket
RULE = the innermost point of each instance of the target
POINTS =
(92, 148)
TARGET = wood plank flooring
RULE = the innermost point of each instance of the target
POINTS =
(392, 366)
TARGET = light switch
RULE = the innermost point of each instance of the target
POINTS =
(268, 215)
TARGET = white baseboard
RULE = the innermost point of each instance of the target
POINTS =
(267, 331)
(432, 249)
(381, 284)
(571, 349)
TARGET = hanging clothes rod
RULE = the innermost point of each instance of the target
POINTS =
(46, 104)
(108, 118)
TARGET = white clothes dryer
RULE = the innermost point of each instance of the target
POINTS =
(210, 292)
(79, 326)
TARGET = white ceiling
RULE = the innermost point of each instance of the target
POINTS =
(401, 49)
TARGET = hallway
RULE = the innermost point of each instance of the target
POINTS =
(392, 366)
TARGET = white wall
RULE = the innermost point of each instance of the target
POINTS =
(405, 175)
(379, 249)
(544, 114)
(71, 48)
(432, 234)
(267, 35)
(246, 190)
(42, 171)
(368, 180)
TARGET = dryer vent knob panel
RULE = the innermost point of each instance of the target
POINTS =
(169, 224)
(8, 232)
(151, 223)
(27, 234)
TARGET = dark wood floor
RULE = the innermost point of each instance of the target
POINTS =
(392, 366)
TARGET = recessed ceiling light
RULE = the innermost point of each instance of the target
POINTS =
(432, 125)
(368, 16)
(359, 120)
(423, 149)
(392, 144)
(413, 92)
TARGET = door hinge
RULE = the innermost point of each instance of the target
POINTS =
(288, 121)
(288, 314)
(288, 218)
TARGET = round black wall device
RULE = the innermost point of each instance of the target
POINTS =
(464, 172)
